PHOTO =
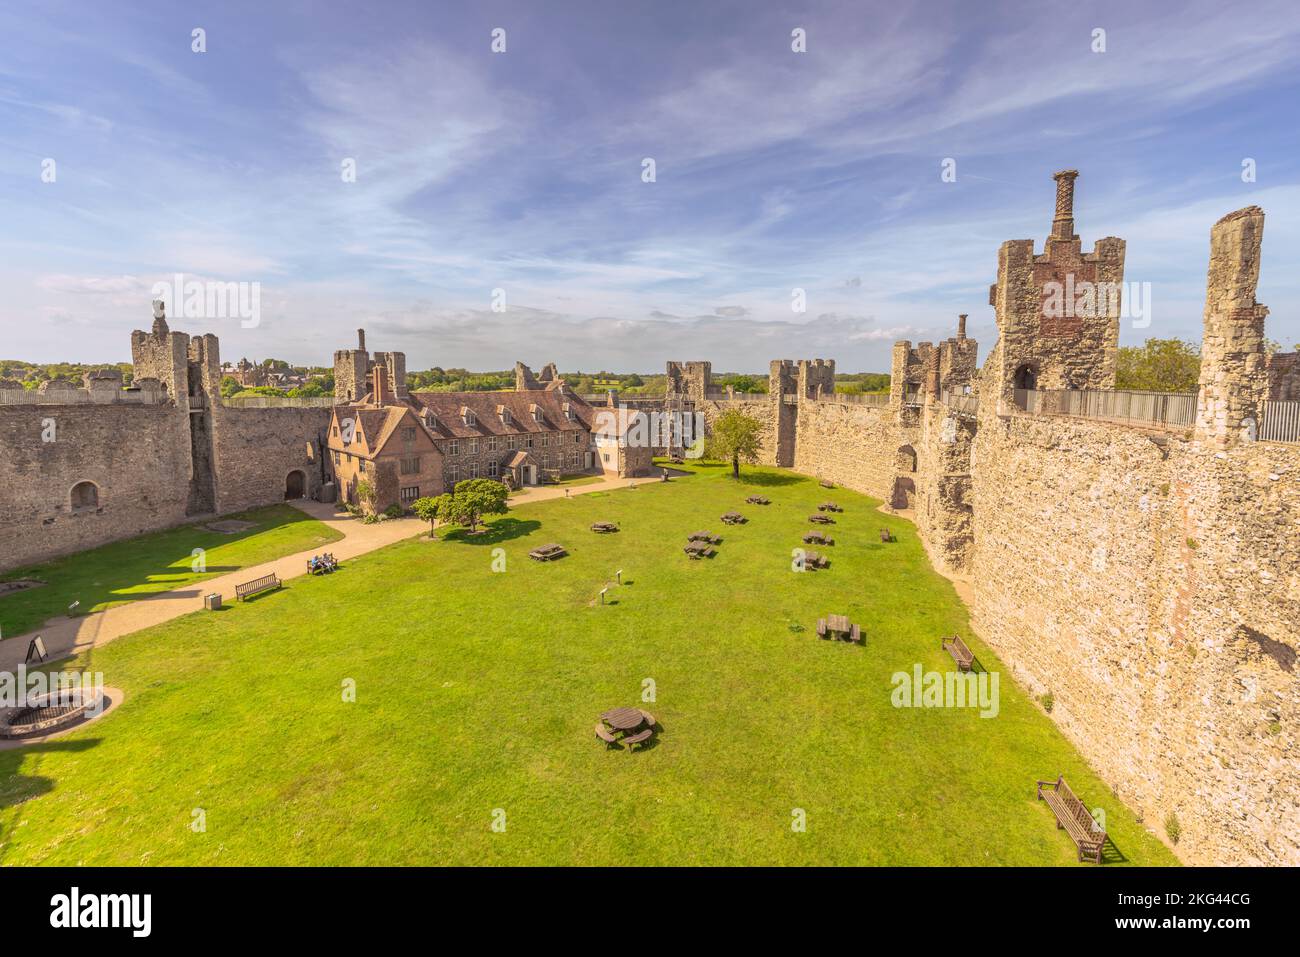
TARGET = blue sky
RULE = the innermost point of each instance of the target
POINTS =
(523, 170)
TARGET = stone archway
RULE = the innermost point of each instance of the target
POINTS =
(295, 485)
(903, 494)
(1026, 377)
(905, 459)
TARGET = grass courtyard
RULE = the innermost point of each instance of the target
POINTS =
(125, 571)
(477, 692)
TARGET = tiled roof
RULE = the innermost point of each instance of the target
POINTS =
(447, 408)
(614, 422)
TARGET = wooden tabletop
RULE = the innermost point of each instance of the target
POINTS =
(623, 719)
(839, 623)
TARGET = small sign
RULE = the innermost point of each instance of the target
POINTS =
(36, 650)
(619, 576)
(602, 594)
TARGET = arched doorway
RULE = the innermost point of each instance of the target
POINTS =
(295, 485)
(906, 459)
(1026, 377)
(903, 494)
(85, 495)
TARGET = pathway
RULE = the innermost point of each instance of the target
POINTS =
(65, 637)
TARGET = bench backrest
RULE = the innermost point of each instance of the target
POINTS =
(1076, 808)
(257, 584)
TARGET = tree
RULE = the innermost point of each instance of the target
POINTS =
(736, 436)
(229, 386)
(470, 500)
(1159, 365)
(428, 508)
(366, 496)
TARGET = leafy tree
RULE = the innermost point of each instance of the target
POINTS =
(470, 500)
(310, 389)
(366, 496)
(1159, 365)
(428, 508)
(229, 387)
(736, 436)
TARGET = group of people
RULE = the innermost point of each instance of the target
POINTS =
(320, 564)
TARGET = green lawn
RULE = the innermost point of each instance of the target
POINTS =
(124, 571)
(478, 691)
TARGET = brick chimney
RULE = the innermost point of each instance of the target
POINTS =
(379, 391)
(1063, 223)
(361, 340)
(961, 326)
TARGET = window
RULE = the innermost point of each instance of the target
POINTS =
(605, 456)
(430, 419)
(410, 465)
(336, 458)
(512, 441)
(85, 495)
(546, 439)
(471, 447)
(577, 438)
(409, 494)
(473, 470)
(493, 443)
(408, 435)
(529, 442)
(361, 465)
(453, 447)
(453, 474)
(493, 469)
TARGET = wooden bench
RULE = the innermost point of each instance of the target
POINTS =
(632, 740)
(1074, 817)
(821, 627)
(649, 718)
(855, 634)
(960, 653)
(606, 735)
(257, 586)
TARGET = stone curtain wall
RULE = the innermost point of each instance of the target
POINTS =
(137, 455)
(254, 450)
(1152, 589)
(851, 445)
(761, 409)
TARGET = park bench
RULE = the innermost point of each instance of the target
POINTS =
(632, 740)
(546, 553)
(649, 718)
(604, 527)
(885, 536)
(606, 735)
(821, 627)
(960, 653)
(1070, 813)
(257, 586)
(733, 518)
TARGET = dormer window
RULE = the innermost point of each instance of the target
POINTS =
(568, 412)
(430, 419)
(536, 411)
(504, 413)
(467, 415)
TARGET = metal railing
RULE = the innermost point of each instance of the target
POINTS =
(1171, 409)
(80, 397)
(1280, 422)
(961, 403)
(279, 402)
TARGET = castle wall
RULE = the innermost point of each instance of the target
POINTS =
(1152, 589)
(254, 450)
(137, 455)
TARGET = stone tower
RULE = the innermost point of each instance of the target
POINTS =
(1234, 375)
(1058, 311)
(351, 367)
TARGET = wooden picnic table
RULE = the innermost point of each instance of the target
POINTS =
(829, 507)
(698, 549)
(733, 518)
(604, 527)
(758, 500)
(818, 538)
(839, 627)
(703, 537)
(545, 553)
(623, 719)
(821, 519)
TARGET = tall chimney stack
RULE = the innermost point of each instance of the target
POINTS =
(361, 339)
(961, 326)
(1063, 223)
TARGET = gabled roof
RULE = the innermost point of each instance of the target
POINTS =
(486, 406)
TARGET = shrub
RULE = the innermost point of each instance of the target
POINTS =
(1047, 701)
(1173, 828)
